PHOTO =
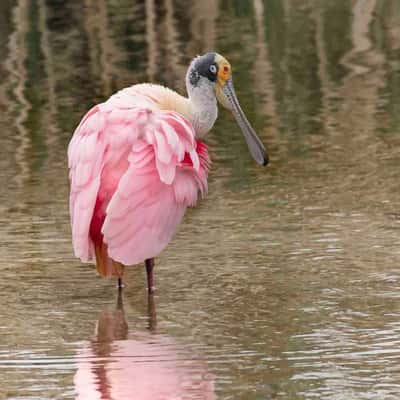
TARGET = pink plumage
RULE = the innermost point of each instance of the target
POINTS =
(136, 165)
(134, 169)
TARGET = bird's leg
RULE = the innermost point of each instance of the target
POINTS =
(120, 284)
(118, 269)
(149, 269)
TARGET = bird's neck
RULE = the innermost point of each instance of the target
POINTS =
(200, 108)
(204, 110)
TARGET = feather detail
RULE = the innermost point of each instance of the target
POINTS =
(134, 169)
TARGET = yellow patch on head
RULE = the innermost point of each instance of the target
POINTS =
(224, 69)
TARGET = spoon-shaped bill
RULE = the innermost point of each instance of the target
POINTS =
(254, 144)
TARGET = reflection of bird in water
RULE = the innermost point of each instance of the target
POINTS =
(136, 164)
(140, 366)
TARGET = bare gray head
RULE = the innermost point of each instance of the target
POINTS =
(201, 77)
(209, 77)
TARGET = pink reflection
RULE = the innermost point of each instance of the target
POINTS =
(117, 365)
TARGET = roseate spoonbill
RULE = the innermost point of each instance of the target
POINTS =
(136, 163)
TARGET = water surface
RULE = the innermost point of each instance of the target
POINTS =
(284, 282)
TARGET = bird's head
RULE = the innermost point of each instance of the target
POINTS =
(213, 70)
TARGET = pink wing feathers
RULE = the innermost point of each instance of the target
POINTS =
(134, 169)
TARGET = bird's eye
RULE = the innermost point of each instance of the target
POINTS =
(213, 69)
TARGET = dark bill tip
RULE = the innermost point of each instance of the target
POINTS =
(266, 160)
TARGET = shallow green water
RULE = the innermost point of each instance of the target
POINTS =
(284, 282)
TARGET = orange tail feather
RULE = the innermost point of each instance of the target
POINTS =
(105, 265)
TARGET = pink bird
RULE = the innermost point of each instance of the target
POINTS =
(136, 163)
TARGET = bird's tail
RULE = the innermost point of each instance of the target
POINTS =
(105, 265)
